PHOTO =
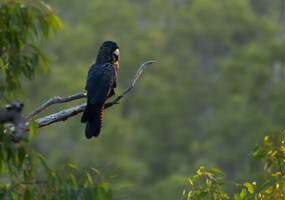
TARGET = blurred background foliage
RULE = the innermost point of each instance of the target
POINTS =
(216, 89)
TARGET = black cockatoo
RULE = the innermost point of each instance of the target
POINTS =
(101, 81)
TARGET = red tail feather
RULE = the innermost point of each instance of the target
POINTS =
(101, 116)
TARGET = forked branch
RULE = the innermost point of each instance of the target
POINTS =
(65, 114)
(12, 113)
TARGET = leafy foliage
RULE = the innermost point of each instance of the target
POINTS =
(209, 184)
(272, 154)
(24, 173)
(206, 185)
(21, 23)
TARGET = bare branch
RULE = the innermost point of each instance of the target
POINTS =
(55, 100)
(132, 84)
(65, 114)
(12, 113)
(61, 115)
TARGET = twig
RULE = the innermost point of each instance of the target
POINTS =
(65, 114)
(132, 84)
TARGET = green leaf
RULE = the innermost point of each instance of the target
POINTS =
(216, 170)
(269, 190)
(44, 26)
(190, 181)
(73, 166)
(97, 171)
(21, 155)
(73, 180)
(266, 140)
(243, 193)
(2, 66)
(42, 159)
(103, 185)
(42, 56)
(249, 187)
(276, 174)
(89, 178)
(27, 195)
(54, 22)
(33, 129)
(45, 64)
(258, 153)
(200, 171)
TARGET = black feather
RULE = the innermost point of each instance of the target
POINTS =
(94, 123)
(101, 80)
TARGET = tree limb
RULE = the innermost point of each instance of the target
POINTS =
(65, 114)
(132, 84)
(61, 115)
(55, 100)
(12, 114)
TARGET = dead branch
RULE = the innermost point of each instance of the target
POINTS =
(61, 115)
(65, 114)
(55, 100)
(12, 114)
(132, 84)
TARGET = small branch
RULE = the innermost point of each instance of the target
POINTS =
(131, 86)
(55, 100)
(65, 114)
